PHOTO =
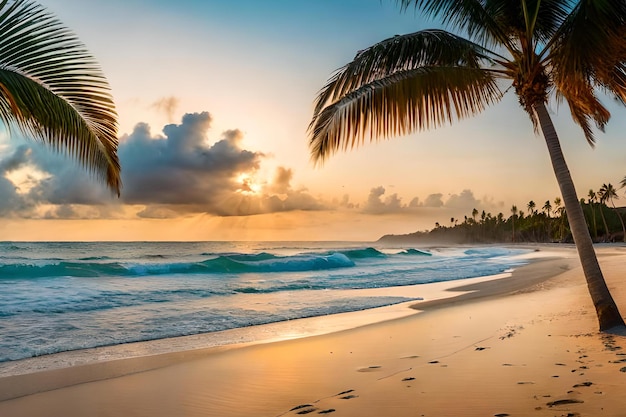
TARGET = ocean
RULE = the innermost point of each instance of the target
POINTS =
(65, 296)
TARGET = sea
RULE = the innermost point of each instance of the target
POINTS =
(67, 296)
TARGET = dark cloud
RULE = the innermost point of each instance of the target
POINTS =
(182, 168)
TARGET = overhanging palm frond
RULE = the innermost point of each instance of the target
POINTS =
(585, 109)
(585, 46)
(400, 53)
(474, 17)
(53, 89)
(401, 103)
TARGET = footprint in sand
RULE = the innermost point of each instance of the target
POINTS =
(304, 409)
(347, 395)
(563, 402)
(370, 368)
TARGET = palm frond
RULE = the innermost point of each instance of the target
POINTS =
(585, 109)
(54, 90)
(401, 103)
(400, 53)
(474, 17)
(612, 77)
(585, 45)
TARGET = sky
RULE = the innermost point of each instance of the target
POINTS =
(214, 99)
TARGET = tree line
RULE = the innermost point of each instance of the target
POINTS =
(532, 223)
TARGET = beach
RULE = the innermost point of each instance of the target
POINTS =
(520, 345)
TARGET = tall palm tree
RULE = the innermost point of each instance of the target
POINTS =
(531, 207)
(541, 49)
(53, 90)
(608, 193)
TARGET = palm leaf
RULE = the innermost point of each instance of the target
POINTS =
(585, 109)
(405, 52)
(586, 44)
(401, 103)
(474, 17)
(53, 89)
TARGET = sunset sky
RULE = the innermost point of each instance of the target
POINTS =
(214, 99)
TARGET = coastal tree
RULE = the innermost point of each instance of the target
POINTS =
(591, 200)
(562, 49)
(513, 216)
(608, 193)
(53, 90)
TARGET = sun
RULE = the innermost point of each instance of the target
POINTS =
(248, 185)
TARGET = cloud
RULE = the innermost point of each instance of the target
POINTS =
(182, 168)
(165, 175)
(464, 200)
(376, 205)
(434, 200)
(166, 105)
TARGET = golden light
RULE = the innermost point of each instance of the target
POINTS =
(248, 186)
(25, 178)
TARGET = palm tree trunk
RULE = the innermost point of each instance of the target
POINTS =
(619, 216)
(595, 225)
(606, 309)
(607, 233)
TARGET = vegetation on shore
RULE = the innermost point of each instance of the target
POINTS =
(545, 223)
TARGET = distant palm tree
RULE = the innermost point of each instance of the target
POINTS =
(601, 205)
(592, 200)
(547, 208)
(531, 207)
(513, 215)
(608, 193)
(422, 80)
(52, 89)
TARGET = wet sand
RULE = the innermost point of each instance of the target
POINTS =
(515, 346)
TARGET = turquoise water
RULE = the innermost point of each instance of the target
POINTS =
(65, 296)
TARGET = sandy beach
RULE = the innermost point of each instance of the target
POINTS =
(515, 346)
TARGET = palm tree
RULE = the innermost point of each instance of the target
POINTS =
(531, 207)
(513, 215)
(541, 49)
(547, 208)
(601, 205)
(53, 90)
(608, 193)
(592, 200)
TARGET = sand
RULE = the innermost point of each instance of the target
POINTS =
(525, 345)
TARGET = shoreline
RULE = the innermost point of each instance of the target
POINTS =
(460, 357)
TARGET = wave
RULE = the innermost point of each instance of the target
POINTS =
(415, 252)
(225, 263)
(233, 264)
